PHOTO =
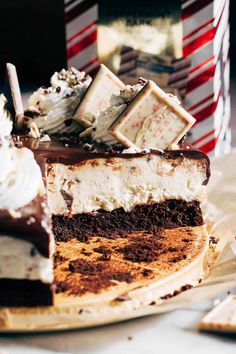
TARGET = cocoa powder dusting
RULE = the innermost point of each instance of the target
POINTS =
(146, 250)
(58, 258)
(86, 268)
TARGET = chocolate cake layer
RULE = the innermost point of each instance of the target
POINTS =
(135, 259)
(21, 292)
(169, 214)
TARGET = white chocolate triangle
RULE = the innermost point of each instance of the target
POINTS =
(97, 97)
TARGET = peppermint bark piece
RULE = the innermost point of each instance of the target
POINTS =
(97, 97)
(153, 120)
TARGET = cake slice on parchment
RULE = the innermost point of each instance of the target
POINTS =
(109, 192)
(122, 217)
(93, 219)
(105, 191)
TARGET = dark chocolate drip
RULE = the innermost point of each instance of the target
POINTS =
(70, 149)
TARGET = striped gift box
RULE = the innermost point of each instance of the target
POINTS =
(81, 34)
(206, 44)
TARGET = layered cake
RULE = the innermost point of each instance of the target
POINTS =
(26, 240)
(125, 197)
(105, 192)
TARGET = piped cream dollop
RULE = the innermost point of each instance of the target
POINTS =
(53, 107)
(20, 177)
(6, 121)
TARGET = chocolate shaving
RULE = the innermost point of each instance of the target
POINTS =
(213, 240)
(68, 122)
(147, 272)
(103, 250)
(67, 198)
(86, 268)
(179, 258)
(146, 250)
(177, 292)
(33, 252)
(123, 297)
(58, 258)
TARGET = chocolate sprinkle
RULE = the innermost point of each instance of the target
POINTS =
(86, 268)
(67, 198)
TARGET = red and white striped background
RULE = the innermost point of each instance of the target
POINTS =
(206, 43)
(81, 33)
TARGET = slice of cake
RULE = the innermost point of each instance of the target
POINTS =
(26, 240)
(122, 217)
(103, 191)
(113, 234)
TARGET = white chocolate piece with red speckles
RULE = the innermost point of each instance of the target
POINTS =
(222, 318)
(97, 97)
(154, 120)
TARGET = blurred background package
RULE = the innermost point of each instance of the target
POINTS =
(182, 45)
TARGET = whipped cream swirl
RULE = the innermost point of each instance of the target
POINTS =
(20, 177)
(6, 121)
(118, 103)
(53, 107)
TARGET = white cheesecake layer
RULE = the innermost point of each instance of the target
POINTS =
(111, 183)
(19, 259)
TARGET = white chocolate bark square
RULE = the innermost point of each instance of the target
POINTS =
(97, 97)
(222, 318)
(154, 120)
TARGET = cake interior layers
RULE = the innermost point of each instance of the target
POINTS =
(104, 191)
(26, 275)
(128, 218)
